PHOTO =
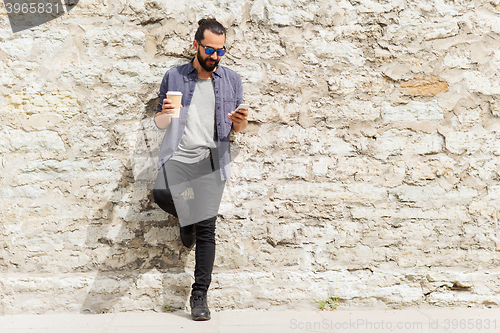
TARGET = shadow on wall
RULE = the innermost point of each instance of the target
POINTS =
(135, 247)
(31, 13)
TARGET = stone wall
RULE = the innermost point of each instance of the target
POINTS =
(369, 171)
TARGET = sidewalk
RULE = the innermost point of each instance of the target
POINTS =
(434, 320)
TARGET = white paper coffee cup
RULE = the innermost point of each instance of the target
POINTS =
(176, 98)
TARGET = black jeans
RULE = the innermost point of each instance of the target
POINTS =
(200, 209)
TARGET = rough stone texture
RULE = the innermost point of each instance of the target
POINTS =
(368, 172)
(424, 86)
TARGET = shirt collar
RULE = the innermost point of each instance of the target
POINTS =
(191, 69)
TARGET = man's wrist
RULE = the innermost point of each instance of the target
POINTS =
(241, 126)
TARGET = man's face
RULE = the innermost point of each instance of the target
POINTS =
(209, 62)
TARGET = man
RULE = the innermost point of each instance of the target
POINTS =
(195, 149)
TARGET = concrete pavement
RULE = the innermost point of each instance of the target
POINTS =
(430, 320)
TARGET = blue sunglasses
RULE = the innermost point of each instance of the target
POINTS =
(211, 50)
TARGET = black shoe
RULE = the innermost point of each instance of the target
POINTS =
(199, 307)
(188, 235)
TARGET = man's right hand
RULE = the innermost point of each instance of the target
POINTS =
(167, 107)
(163, 117)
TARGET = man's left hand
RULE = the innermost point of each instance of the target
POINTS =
(239, 116)
(239, 119)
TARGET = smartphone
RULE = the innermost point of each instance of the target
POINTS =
(242, 107)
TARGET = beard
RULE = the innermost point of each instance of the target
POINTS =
(203, 62)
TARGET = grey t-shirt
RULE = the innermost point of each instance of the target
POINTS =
(199, 133)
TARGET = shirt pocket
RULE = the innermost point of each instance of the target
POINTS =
(229, 106)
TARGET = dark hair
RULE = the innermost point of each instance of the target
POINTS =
(210, 24)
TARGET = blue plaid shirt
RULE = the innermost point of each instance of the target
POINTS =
(228, 95)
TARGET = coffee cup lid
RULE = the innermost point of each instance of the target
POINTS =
(174, 93)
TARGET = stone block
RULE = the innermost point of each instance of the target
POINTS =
(479, 82)
(475, 140)
(290, 168)
(270, 45)
(376, 8)
(355, 192)
(252, 73)
(413, 111)
(85, 75)
(231, 256)
(25, 191)
(401, 34)
(427, 86)
(150, 280)
(111, 43)
(369, 170)
(397, 70)
(156, 236)
(19, 141)
(444, 213)
(434, 195)
(307, 141)
(320, 167)
(41, 122)
(406, 142)
(129, 74)
(246, 191)
(98, 8)
(44, 43)
(176, 46)
(64, 103)
(99, 110)
(345, 53)
(351, 110)
(89, 139)
(458, 59)
(103, 169)
(470, 117)
(347, 83)
(251, 171)
(277, 12)
(495, 107)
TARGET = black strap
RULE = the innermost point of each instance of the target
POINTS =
(164, 175)
(212, 160)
